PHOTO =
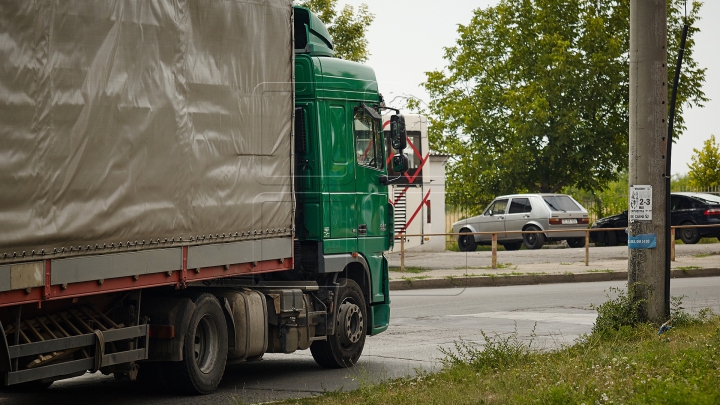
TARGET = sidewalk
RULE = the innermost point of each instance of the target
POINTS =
(457, 270)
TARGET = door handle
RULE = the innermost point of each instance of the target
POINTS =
(501, 218)
(362, 229)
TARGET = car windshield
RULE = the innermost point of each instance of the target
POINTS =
(708, 199)
(561, 203)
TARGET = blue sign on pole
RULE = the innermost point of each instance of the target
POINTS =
(648, 241)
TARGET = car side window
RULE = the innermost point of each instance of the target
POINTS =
(520, 205)
(497, 208)
(683, 203)
(674, 202)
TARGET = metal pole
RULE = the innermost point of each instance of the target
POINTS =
(648, 132)
(587, 247)
(494, 251)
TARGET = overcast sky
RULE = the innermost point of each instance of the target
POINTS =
(407, 39)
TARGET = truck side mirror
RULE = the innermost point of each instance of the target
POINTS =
(400, 163)
(398, 136)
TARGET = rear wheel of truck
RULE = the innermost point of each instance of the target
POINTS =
(205, 350)
(344, 347)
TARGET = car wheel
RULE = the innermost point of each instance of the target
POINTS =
(576, 242)
(466, 243)
(343, 349)
(689, 236)
(533, 240)
(512, 245)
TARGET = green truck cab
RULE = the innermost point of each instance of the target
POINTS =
(344, 219)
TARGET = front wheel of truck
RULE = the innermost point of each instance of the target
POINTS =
(344, 347)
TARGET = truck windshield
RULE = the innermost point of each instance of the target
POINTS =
(561, 203)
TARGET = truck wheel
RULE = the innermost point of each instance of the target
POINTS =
(343, 348)
(689, 236)
(533, 240)
(466, 243)
(205, 350)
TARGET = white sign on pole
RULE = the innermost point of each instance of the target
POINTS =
(640, 203)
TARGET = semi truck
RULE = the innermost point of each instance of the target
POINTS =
(186, 185)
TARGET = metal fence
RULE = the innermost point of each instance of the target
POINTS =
(450, 236)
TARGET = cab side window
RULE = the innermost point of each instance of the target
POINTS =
(368, 141)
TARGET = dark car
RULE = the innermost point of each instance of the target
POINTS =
(687, 209)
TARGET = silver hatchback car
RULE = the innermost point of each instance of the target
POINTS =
(509, 214)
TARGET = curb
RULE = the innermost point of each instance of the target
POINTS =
(498, 281)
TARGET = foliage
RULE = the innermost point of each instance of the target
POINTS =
(680, 367)
(497, 353)
(705, 168)
(610, 200)
(680, 182)
(617, 313)
(535, 96)
(346, 27)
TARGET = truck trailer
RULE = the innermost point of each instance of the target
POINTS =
(186, 184)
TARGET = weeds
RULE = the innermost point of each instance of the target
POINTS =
(686, 268)
(497, 353)
(411, 269)
(617, 313)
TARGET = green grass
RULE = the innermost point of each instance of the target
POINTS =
(409, 269)
(601, 271)
(499, 266)
(685, 268)
(413, 278)
(622, 361)
(702, 255)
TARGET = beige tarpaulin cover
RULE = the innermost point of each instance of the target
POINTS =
(134, 120)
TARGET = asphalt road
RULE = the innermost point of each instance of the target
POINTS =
(422, 322)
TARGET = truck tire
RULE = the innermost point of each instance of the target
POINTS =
(533, 240)
(466, 243)
(205, 350)
(344, 347)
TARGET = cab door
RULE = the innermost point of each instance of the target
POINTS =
(373, 216)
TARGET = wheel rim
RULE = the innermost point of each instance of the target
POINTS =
(463, 241)
(688, 233)
(206, 344)
(531, 237)
(352, 323)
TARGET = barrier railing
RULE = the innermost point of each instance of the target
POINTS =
(494, 239)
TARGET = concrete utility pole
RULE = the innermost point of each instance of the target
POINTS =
(648, 137)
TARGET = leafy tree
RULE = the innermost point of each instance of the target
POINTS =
(705, 168)
(680, 182)
(346, 27)
(535, 96)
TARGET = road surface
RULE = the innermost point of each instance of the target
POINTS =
(422, 322)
